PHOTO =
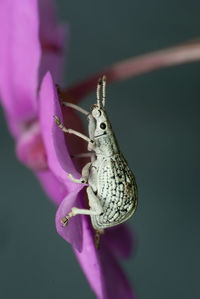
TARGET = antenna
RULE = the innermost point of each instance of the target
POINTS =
(98, 91)
(104, 91)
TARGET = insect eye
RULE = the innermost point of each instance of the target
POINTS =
(102, 126)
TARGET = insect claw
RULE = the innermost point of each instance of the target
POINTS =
(58, 88)
(57, 120)
(65, 220)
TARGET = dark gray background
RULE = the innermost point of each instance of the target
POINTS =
(156, 120)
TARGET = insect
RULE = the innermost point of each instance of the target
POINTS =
(112, 190)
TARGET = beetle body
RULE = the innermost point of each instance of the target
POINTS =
(110, 177)
(112, 189)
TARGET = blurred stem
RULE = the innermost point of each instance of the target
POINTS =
(185, 53)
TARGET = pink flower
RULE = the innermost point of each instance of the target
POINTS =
(96, 264)
(30, 101)
(31, 56)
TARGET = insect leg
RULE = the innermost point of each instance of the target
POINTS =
(71, 131)
(85, 175)
(95, 208)
(83, 155)
(67, 104)
(76, 211)
(75, 107)
(94, 201)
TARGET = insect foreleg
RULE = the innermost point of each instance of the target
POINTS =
(75, 107)
(71, 131)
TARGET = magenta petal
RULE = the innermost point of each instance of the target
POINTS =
(30, 148)
(53, 188)
(115, 282)
(53, 41)
(102, 270)
(59, 160)
(52, 62)
(119, 240)
(89, 260)
(72, 233)
(19, 58)
(58, 157)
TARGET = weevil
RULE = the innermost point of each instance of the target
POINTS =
(112, 190)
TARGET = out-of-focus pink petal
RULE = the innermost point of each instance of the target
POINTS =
(72, 233)
(19, 59)
(30, 148)
(119, 240)
(185, 53)
(104, 274)
(58, 157)
(53, 41)
(53, 188)
(89, 259)
(115, 282)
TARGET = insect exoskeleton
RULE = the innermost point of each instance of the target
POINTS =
(112, 189)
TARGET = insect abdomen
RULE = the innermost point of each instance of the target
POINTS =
(117, 192)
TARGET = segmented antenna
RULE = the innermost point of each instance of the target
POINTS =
(104, 91)
(98, 91)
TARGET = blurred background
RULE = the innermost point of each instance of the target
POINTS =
(156, 120)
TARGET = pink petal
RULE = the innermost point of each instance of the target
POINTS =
(53, 188)
(72, 233)
(119, 240)
(58, 157)
(116, 284)
(52, 38)
(89, 260)
(59, 160)
(30, 148)
(189, 52)
(104, 274)
(19, 60)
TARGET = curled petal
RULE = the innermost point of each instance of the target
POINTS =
(19, 60)
(58, 157)
(72, 233)
(53, 38)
